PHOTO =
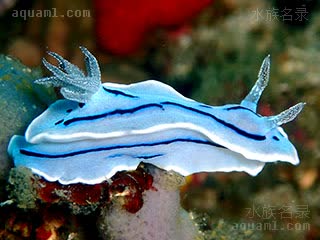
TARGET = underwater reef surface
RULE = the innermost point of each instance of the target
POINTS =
(20, 101)
(139, 204)
(214, 61)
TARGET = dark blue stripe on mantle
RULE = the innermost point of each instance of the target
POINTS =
(226, 124)
(240, 107)
(71, 154)
(161, 105)
(117, 92)
(115, 112)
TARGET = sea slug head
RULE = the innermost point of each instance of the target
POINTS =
(267, 141)
(74, 84)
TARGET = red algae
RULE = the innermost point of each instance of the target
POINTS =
(124, 187)
(127, 185)
(130, 186)
(50, 210)
(80, 194)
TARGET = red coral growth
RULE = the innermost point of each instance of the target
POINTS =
(130, 186)
(122, 25)
(126, 188)
(46, 191)
(80, 194)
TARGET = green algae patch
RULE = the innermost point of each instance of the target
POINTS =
(21, 188)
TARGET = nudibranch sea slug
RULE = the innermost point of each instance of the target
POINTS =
(99, 129)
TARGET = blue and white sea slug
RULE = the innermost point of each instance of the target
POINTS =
(100, 129)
